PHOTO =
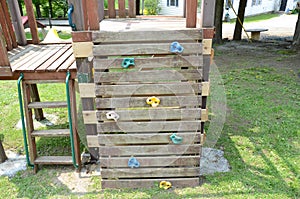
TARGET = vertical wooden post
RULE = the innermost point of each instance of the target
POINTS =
(4, 61)
(35, 97)
(122, 12)
(101, 9)
(191, 13)
(208, 13)
(32, 21)
(92, 14)
(77, 15)
(5, 30)
(9, 24)
(111, 9)
(17, 22)
(131, 9)
(85, 14)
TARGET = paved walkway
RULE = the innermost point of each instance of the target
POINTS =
(282, 26)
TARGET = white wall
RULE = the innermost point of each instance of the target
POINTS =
(172, 10)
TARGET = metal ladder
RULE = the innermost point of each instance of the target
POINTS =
(30, 133)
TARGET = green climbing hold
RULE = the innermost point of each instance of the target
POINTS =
(128, 62)
(176, 139)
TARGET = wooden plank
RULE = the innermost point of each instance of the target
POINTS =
(67, 64)
(17, 22)
(143, 49)
(122, 11)
(142, 183)
(131, 9)
(158, 76)
(55, 104)
(207, 45)
(147, 36)
(32, 21)
(163, 161)
(191, 13)
(152, 114)
(82, 49)
(3, 52)
(65, 160)
(208, 33)
(204, 115)
(77, 15)
(183, 88)
(152, 126)
(16, 54)
(87, 90)
(5, 71)
(61, 60)
(152, 62)
(9, 23)
(150, 172)
(93, 14)
(121, 139)
(111, 9)
(89, 117)
(205, 88)
(85, 14)
(138, 102)
(206, 67)
(81, 36)
(208, 13)
(150, 150)
(53, 58)
(51, 133)
(5, 30)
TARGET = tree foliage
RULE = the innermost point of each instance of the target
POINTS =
(152, 7)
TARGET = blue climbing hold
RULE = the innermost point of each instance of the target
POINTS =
(128, 62)
(176, 139)
(133, 162)
(176, 47)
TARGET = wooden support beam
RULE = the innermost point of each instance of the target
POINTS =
(17, 22)
(35, 97)
(81, 36)
(131, 9)
(208, 13)
(4, 61)
(111, 9)
(207, 44)
(83, 49)
(32, 21)
(77, 15)
(9, 24)
(191, 13)
(85, 14)
(93, 15)
(5, 31)
(122, 12)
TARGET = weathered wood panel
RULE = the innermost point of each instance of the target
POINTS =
(208, 13)
(152, 126)
(150, 172)
(5, 31)
(147, 36)
(123, 139)
(142, 183)
(32, 21)
(152, 62)
(163, 161)
(87, 90)
(93, 14)
(144, 49)
(111, 9)
(146, 89)
(191, 13)
(148, 76)
(131, 9)
(137, 102)
(122, 11)
(150, 150)
(3, 52)
(9, 23)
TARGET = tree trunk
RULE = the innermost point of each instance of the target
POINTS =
(296, 39)
(38, 11)
(3, 156)
(50, 9)
(20, 7)
(218, 20)
(238, 24)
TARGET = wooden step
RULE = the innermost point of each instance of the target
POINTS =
(54, 160)
(55, 104)
(51, 133)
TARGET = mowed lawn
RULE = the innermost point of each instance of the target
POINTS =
(260, 137)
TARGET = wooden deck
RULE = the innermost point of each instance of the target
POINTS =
(42, 62)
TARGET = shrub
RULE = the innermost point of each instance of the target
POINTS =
(152, 7)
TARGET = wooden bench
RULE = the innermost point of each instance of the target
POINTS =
(255, 33)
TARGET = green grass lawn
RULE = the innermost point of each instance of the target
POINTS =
(260, 137)
(257, 18)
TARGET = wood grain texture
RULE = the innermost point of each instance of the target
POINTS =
(4, 61)
(131, 9)
(138, 102)
(152, 126)
(82, 49)
(87, 90)
(158, 76)
(115, 151)
(93, 15)
(207, 45)
(32, 21)
(9, 24)
(111, 9)
(4, 29)
(81, 36)
(152, 62)
(163, 161)
(142, 183)
(122, 11)
(89, 117)
(208, 13)
(144, 49)
(191, 35)
(150, 172)
(191, 13)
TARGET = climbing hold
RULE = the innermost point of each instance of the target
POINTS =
(111, 115)
(176, 47)
(133, 162)
(165, 185)
(128, 62)
(176, 139)
(153, 101)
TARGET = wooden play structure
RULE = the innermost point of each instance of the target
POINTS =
(31, 63)
(144, 83)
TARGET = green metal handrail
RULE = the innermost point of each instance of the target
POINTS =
(70, 120)
(23, 121)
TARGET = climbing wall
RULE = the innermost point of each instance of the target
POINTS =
(149, 92)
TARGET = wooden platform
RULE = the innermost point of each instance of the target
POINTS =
(42, 62)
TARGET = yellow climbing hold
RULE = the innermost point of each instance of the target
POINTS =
(153, 101)
(165, 185)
